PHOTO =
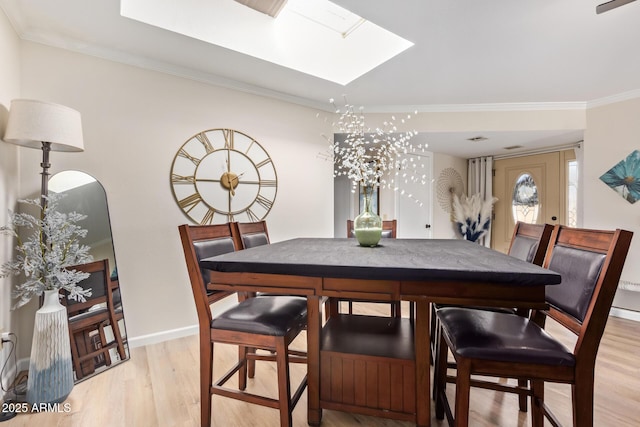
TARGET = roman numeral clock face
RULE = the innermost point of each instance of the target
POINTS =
(222, 175)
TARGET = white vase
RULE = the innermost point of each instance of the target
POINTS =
(50, 368)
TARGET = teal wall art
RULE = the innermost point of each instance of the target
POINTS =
(624, 177)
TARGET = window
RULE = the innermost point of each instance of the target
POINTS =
(572, 193)
(525, 204)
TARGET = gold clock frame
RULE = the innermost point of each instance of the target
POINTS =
(206, 188)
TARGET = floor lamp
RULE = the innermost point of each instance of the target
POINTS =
(46, 126)
(51, 127)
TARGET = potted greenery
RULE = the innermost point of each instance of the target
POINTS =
(51, 245)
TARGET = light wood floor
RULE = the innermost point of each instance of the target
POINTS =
(159, 387)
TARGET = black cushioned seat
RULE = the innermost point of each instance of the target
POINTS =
(265, 322)
(508, 346)
(489, 335)
(266, 315)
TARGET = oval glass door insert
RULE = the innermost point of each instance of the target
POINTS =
(525, 203)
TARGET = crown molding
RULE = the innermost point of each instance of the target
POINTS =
(208, 78)
(459, 108)
(624, 96)
(73, 45)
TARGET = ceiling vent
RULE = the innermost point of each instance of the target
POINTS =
(512, 147)
(477, 138)
(604, 7)
(268, 7)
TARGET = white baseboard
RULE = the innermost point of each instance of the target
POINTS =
(23, 364)
(171, 334)
(192, 330)
(625, 314)
(162, 336)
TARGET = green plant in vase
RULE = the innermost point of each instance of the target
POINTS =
(52, 245)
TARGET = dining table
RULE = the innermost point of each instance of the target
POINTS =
(422, 271)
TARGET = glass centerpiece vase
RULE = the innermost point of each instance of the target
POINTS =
(368, 225)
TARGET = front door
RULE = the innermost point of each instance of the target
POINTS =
(414, 213)
(531, 189)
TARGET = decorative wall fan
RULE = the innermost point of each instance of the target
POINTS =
(604, 7)
(449, 183)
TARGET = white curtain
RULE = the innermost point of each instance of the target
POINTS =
(480, 180)
(578, 150)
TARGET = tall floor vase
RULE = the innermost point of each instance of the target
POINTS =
(50, 368)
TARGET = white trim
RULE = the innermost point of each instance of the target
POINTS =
(455, 108)
(623, 313)
(624, 96)
(171, 334)
(170, 69)
(539, 151)
(209, 78)
(193, 330)
(629, 286)
(158, 337)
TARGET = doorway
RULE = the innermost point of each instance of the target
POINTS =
(535, 189)
(414, 213)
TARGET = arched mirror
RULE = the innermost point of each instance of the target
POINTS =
(98, 343)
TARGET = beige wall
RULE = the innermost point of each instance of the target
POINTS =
(442, 226)
(491, 120)
(9, 172)
(134, 122)
(613, 132)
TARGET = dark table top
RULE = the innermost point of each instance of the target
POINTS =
(393, 259)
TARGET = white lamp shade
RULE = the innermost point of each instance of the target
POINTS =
(33, 122)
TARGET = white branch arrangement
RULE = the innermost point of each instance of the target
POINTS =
(472, 215)
(381, 157)
(52, 246)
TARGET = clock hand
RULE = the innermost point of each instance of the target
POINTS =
(235, 179)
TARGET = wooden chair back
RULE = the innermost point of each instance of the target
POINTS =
(529, 242)
(591, 263)
(203, 241)
(253, 234)
(83, 321)
(99, 283)
(266, 322)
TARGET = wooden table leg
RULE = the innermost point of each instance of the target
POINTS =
(314, 325)
(423, 399)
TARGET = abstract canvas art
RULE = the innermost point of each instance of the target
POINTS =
(624, 177)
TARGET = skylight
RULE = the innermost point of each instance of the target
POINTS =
(316, 37)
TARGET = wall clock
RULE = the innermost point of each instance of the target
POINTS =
(222, 175)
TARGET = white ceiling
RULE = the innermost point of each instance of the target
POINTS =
(466, 54)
